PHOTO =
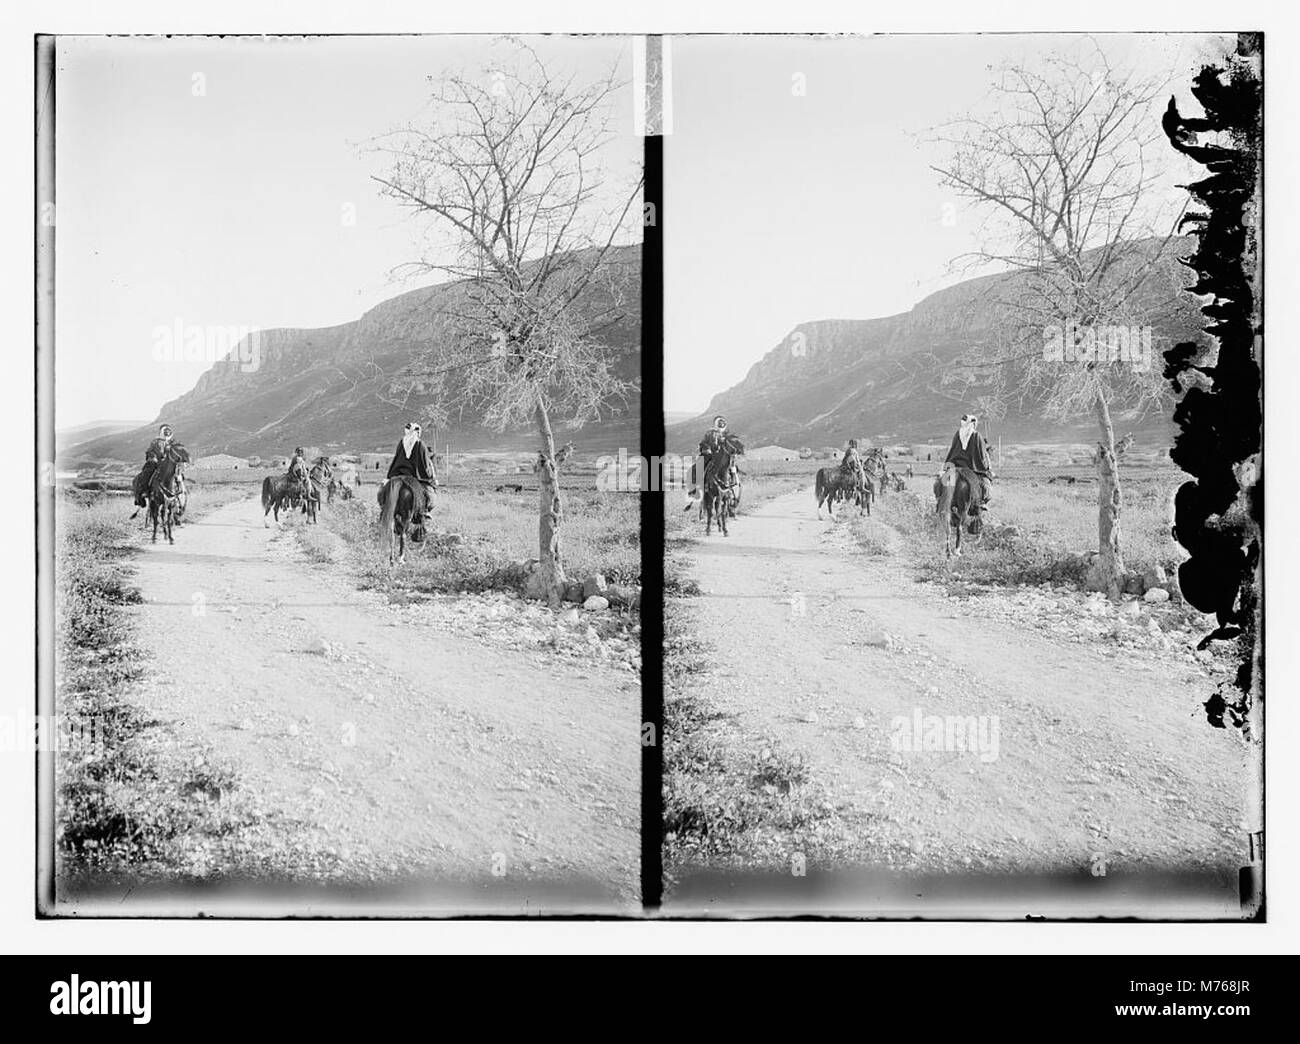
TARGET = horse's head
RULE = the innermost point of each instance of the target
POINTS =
(732, 446)
(178, 453)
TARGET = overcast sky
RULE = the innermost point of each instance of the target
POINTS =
(226, 207)
(783, 208)
(206, 181)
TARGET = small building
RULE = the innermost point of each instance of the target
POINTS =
(219, 460)
(375, 461)
(772, 453)
(276, 462)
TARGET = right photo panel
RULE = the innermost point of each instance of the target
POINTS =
(964, 430)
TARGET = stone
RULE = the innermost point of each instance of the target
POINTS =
(595, 604)
(1156, 594)
(619, 594)
(594, 585)
(569, 616)
(1154, 576)
(320, 647)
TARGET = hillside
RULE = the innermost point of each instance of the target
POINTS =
(66, 439)
(883, 378)
(338, 387)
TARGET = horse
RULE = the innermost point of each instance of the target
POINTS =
(280, 494)
(396, 514)
(877, 471)
(718, 487)
(834, 483)
(953, 502)
(732, 499)
(337, 488)
(317, 479)
(166, 496)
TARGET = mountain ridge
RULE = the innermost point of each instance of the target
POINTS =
(882, 378)
(341, 387)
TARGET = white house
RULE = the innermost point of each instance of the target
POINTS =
(219, 460)
(772, 453)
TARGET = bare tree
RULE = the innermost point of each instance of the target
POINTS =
(510, 170)
(1066, 168)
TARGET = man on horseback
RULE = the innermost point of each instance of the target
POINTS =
(153, 456)
(412, 459)
(298, 467)
(852, 464)
(969, 453)
(709, 446)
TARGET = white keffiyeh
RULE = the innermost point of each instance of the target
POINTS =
(964, 433)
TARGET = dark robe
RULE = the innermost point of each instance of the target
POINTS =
(974, 462)
(972, 457)
(153, 455)
(298, 471)
(419, 465)
(709, 445)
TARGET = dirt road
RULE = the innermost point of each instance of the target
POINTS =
(1088, 759)
(468, 774)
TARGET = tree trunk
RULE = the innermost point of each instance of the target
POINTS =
(547, 580)
(1107, 570)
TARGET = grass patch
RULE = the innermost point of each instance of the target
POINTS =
(601, 534)
(730, 797)
(132, 798)
(1055, 530)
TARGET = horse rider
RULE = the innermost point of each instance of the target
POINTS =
(298, 467)
(852, 464)
(412, 459)
(709, 446)
(970, 451)
(154, 455)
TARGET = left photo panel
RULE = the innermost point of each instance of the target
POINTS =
(339, 369)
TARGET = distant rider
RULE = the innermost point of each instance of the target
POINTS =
(852, 464)
(298, 467)
(413, 459)
(154, 454)
(710, 445)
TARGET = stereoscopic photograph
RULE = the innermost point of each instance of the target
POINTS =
(962, 393)
(339, 620)
(906, 388)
